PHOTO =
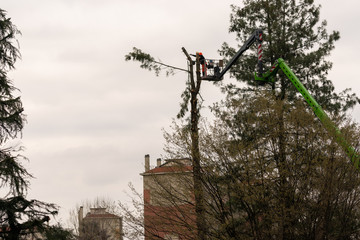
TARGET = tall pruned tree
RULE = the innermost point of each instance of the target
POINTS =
(18, 216)
(189, 97)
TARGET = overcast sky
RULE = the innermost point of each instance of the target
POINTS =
(92, 116)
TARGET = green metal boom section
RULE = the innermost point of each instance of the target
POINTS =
(324, 118)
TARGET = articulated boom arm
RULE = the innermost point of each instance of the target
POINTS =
(324, 118)
(255, 37)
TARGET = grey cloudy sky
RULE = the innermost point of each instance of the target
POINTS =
(92, 116)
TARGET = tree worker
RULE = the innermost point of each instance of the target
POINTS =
(203, 63)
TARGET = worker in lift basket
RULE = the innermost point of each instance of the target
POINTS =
(203, 63)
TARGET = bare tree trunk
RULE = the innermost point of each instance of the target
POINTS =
(195, 151)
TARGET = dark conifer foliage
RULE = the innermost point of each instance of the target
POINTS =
(18, 216)
(292, 31)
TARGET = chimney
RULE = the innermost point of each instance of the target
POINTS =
(147, 162)
(158, 162)
(81, 215)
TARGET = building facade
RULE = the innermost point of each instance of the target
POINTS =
(169, 211)
(99, 225)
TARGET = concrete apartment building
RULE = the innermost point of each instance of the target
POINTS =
(169, 211)
(99, 224)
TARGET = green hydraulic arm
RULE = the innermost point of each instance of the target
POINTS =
(319, 112)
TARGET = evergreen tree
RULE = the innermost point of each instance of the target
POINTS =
(320, 187)
(18, 216)
(292, 31)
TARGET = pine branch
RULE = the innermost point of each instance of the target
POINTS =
(148, 62)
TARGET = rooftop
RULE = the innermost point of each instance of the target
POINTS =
(171, 166)
(100, 213)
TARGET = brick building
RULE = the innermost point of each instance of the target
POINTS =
(169, 211)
